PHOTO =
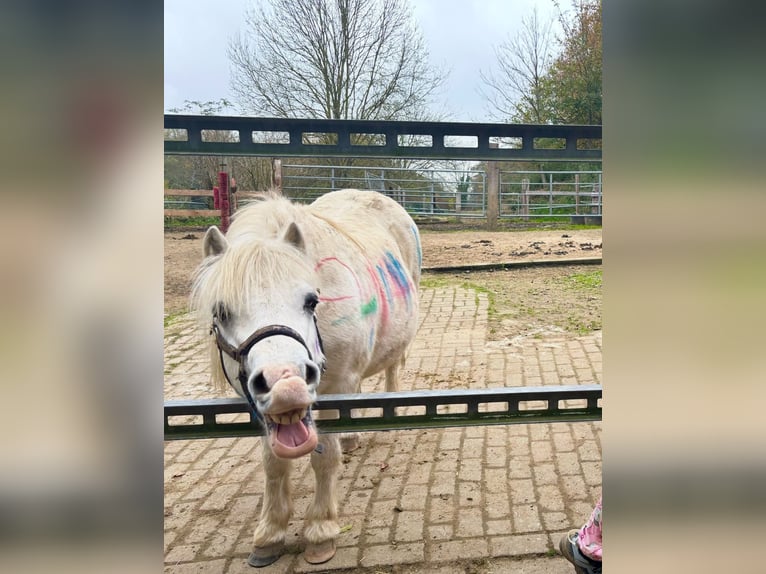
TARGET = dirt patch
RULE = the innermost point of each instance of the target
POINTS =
(523, 301)
(475, 247)
(534, 302)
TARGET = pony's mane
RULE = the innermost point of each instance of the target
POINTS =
(231, 278)
(256, 258)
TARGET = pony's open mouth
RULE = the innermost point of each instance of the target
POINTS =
(291, 434)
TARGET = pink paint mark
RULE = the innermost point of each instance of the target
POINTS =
(335, 299)
(327, 260)
(381, 295)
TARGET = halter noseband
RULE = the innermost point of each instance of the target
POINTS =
(239, 354)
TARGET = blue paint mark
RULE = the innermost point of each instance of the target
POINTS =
(342, 320)
(397, 273)
(371, 342)
(384, 281)
(417, 244)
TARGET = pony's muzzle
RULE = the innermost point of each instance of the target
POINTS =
(264, 379)
(286, 410)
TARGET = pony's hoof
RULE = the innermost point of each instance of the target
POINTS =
(264, 555)
(319, 553)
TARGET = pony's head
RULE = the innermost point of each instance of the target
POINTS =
(259, 298)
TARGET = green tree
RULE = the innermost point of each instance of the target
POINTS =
(517, 90)
(573, 82)
(532, 85)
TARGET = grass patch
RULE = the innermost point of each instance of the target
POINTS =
(587, 280)
(434, 282)
(526, 301)
(171, 318)
(183, 222)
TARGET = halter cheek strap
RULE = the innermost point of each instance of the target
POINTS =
(239, 354)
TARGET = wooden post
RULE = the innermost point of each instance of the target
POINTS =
(492, 191)
(525, 199)
(276, 175)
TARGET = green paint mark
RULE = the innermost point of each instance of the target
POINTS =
(370, 307)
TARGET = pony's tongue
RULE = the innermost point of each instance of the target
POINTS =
(292, 435)
(293, 440)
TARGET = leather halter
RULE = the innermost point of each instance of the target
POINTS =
(239, 354)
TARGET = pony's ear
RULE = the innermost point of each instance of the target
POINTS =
(294, 237)
(214, 242)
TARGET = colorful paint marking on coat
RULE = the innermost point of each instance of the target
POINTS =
(399, 278)
(416, 233)
(334, 260)
(370, 307)
(369, 300)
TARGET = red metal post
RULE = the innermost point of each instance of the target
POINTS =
(225, 197)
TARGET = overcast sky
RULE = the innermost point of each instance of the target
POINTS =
(460, 35)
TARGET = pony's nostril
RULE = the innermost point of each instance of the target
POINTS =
(259, 383)
(312, 374)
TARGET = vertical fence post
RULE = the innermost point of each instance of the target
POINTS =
(525, 199)
(550, 193)
(493, 191)
(224, 199)
(599, 188)
(276, 174)
(596, 199)
(577, 194)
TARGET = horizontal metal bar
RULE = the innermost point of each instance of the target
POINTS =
(392, 130)
(340, 413)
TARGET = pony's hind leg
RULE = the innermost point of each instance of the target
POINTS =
(269, 538)
(322, 516)
(392, 376)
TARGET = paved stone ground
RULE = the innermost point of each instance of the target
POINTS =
(482, 499)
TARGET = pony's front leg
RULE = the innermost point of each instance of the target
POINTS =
(269, 538)
(322, 516)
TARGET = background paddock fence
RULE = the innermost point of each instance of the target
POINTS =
(199, 202)
(490, 195)
(550, 194)
(432, 191)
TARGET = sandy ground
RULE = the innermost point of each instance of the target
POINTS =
(183, 252)
(525, 300)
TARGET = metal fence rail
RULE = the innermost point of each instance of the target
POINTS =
(421, 191)
(279, 137)
(217, 418)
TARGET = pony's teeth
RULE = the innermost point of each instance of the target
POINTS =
(296, 417)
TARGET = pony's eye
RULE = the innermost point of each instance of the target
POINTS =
(222, 312)
(311, 302)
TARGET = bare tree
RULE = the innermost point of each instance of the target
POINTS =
(336, 59)
(516, 91)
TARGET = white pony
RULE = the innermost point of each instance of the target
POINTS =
(346, 267)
